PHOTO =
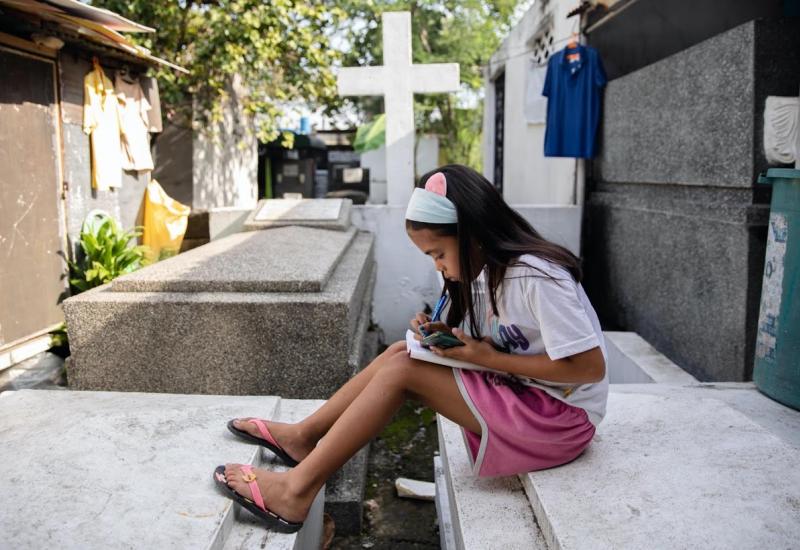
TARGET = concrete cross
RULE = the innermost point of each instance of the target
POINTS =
(398, 80)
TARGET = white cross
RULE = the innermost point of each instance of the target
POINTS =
(397, 80)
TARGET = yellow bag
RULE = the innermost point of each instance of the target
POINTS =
(165, 222)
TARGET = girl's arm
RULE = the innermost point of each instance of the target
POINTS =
(582, 368)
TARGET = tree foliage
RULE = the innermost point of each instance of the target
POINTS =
(466, 32)
(280, 48)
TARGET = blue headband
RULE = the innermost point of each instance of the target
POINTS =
(431, 205)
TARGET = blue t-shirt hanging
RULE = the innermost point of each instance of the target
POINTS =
(573, 89)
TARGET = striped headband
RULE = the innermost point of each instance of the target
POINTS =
(431, 205)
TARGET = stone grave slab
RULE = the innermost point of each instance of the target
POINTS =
(130, 470)
(297, 344)
(278, 261)
(482, 512)
(676, 467)
(324, 213)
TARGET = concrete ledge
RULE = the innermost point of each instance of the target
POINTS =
(675, 464)
(635, 362)
(673, 467)
(129, 470)
(484, 512)
(246, 532)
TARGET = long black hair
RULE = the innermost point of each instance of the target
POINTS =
(490, 234)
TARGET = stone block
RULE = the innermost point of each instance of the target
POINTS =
(695, 117)
(129, 470)
(323, 213)
(674, 467)
(484, 512)
(682, 267)
(129, 337)
(287, 259)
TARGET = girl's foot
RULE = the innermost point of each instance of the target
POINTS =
(278, 495)
(288, 436)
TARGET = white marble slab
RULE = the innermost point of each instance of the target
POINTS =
(299, 210)
(121, 470)
(673, 467)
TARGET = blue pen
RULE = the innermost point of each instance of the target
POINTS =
(436, 312)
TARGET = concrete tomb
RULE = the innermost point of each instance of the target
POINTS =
(285, 311)
(281, 312)
(133, 470)
(675, 464)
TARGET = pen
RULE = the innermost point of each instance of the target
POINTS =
(437, 311)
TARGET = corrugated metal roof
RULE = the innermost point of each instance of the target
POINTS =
(93, 24)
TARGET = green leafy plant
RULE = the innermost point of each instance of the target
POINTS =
(59, 340)
(107, 253)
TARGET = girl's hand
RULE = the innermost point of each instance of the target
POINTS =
(423, 320)
(419, 319)
(473, 351)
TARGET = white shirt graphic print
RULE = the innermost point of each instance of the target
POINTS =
(541, 309)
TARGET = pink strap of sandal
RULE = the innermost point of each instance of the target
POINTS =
(264, 431)
(250, 478)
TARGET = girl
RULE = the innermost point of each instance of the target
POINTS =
(518, 307)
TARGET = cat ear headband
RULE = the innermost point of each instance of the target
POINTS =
(431, 205)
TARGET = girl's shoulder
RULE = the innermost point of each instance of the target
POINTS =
(532, 266)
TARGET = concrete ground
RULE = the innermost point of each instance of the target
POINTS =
(404, 449)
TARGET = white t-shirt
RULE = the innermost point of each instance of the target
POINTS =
(540, 315)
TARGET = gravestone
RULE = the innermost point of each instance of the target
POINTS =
(279, 312)
(283, 311)
(325, 213)
(147, 482)
(676, 225)
(397, 80)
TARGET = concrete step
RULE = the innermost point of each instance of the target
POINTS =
(130, 470)
(483, 512)
(678, 467)
(245, 531)
(675, 464)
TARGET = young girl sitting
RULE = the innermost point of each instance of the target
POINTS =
(515, 301)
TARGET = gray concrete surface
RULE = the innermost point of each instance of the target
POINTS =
(675, 227)
(673, 468)
(128, 470)
(287, 259)
(484, 512)
(295, 344)
(694, 118)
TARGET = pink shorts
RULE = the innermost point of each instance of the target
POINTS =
(523, 428)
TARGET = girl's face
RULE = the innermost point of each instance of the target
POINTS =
(443, 250)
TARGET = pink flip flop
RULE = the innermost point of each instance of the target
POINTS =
(255, 506)
(266, 439)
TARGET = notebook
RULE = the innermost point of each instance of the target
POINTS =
(416, 351)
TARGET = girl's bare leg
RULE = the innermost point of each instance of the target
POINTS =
(298, 439)
(289, 494)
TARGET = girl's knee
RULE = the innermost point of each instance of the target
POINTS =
(397, 347)
(398, 370)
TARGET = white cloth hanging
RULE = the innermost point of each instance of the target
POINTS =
(535, 102)
(781, 127)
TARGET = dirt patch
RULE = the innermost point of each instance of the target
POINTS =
(405, 448)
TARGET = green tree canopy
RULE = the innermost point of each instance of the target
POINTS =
(280, 48)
